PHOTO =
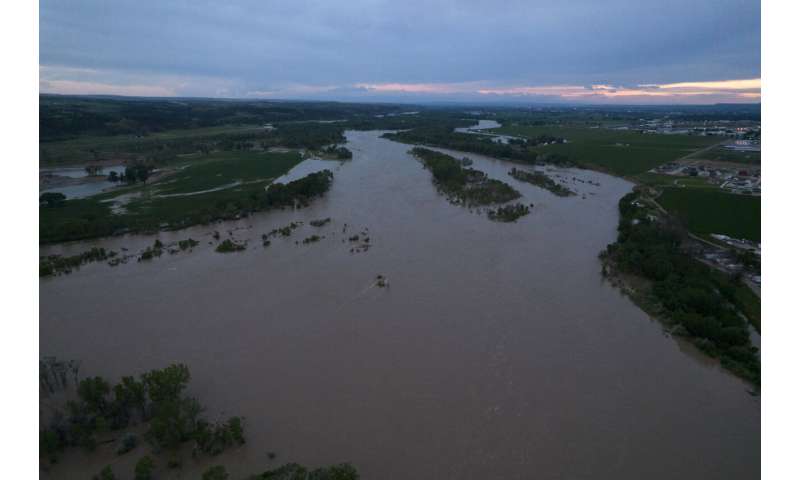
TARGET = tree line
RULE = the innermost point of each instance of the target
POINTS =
(696, 301)
(444, 136)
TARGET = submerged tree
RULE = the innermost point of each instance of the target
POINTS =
(144, 468)
(52, 199)
(217, 472)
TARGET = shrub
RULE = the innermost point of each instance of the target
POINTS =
(128, 442)
(229, 246)
(144, 468)
(217, 472)
(53, 199)
(105, 474)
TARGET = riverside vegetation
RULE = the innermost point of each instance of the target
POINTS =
(57, 264)
(444, 136)
(60, 265)
(709, 308)
(93, 217)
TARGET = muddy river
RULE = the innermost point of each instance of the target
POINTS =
(497, 351)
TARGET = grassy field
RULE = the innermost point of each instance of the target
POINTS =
(720, 154)
(223, 168)
(707, 211)
(83, 150)
(148, 210)
(661, 180)
(620, 152)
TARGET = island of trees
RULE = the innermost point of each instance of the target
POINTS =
(541, 180)
(509, 213)
(463, 185)
(470, 187)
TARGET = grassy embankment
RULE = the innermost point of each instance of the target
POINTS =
(150, 207)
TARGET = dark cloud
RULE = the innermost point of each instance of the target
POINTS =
(256, 46)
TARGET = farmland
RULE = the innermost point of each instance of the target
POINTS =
(620, 152)
(721, 154)
(223, 168)
(708, 211)
(98, 147)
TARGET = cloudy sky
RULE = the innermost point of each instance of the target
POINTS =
(576, 51)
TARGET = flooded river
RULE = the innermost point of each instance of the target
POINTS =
(482, 129)
(497, 351)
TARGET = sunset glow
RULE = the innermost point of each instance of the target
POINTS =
(730, 90)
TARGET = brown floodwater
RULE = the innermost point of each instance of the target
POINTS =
(497, 351)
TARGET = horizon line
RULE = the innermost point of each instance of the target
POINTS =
(508, 103)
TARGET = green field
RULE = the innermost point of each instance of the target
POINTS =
(223, 168)
(720, 154)
(661, 180)
(86, 149)
(712, 211)
(148, 210)
(620, 152)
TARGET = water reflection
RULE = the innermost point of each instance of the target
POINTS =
(75, 182)
(482, 126)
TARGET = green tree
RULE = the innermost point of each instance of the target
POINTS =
(343, 471)
(131, 393)
(175, 422)
(143, 174)
(138, 172)
(236, 430)
(105, 474)
(144, 468)
(166, 384)
(217, 472)
(49, 445)
(93, 392)
(52, 199)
